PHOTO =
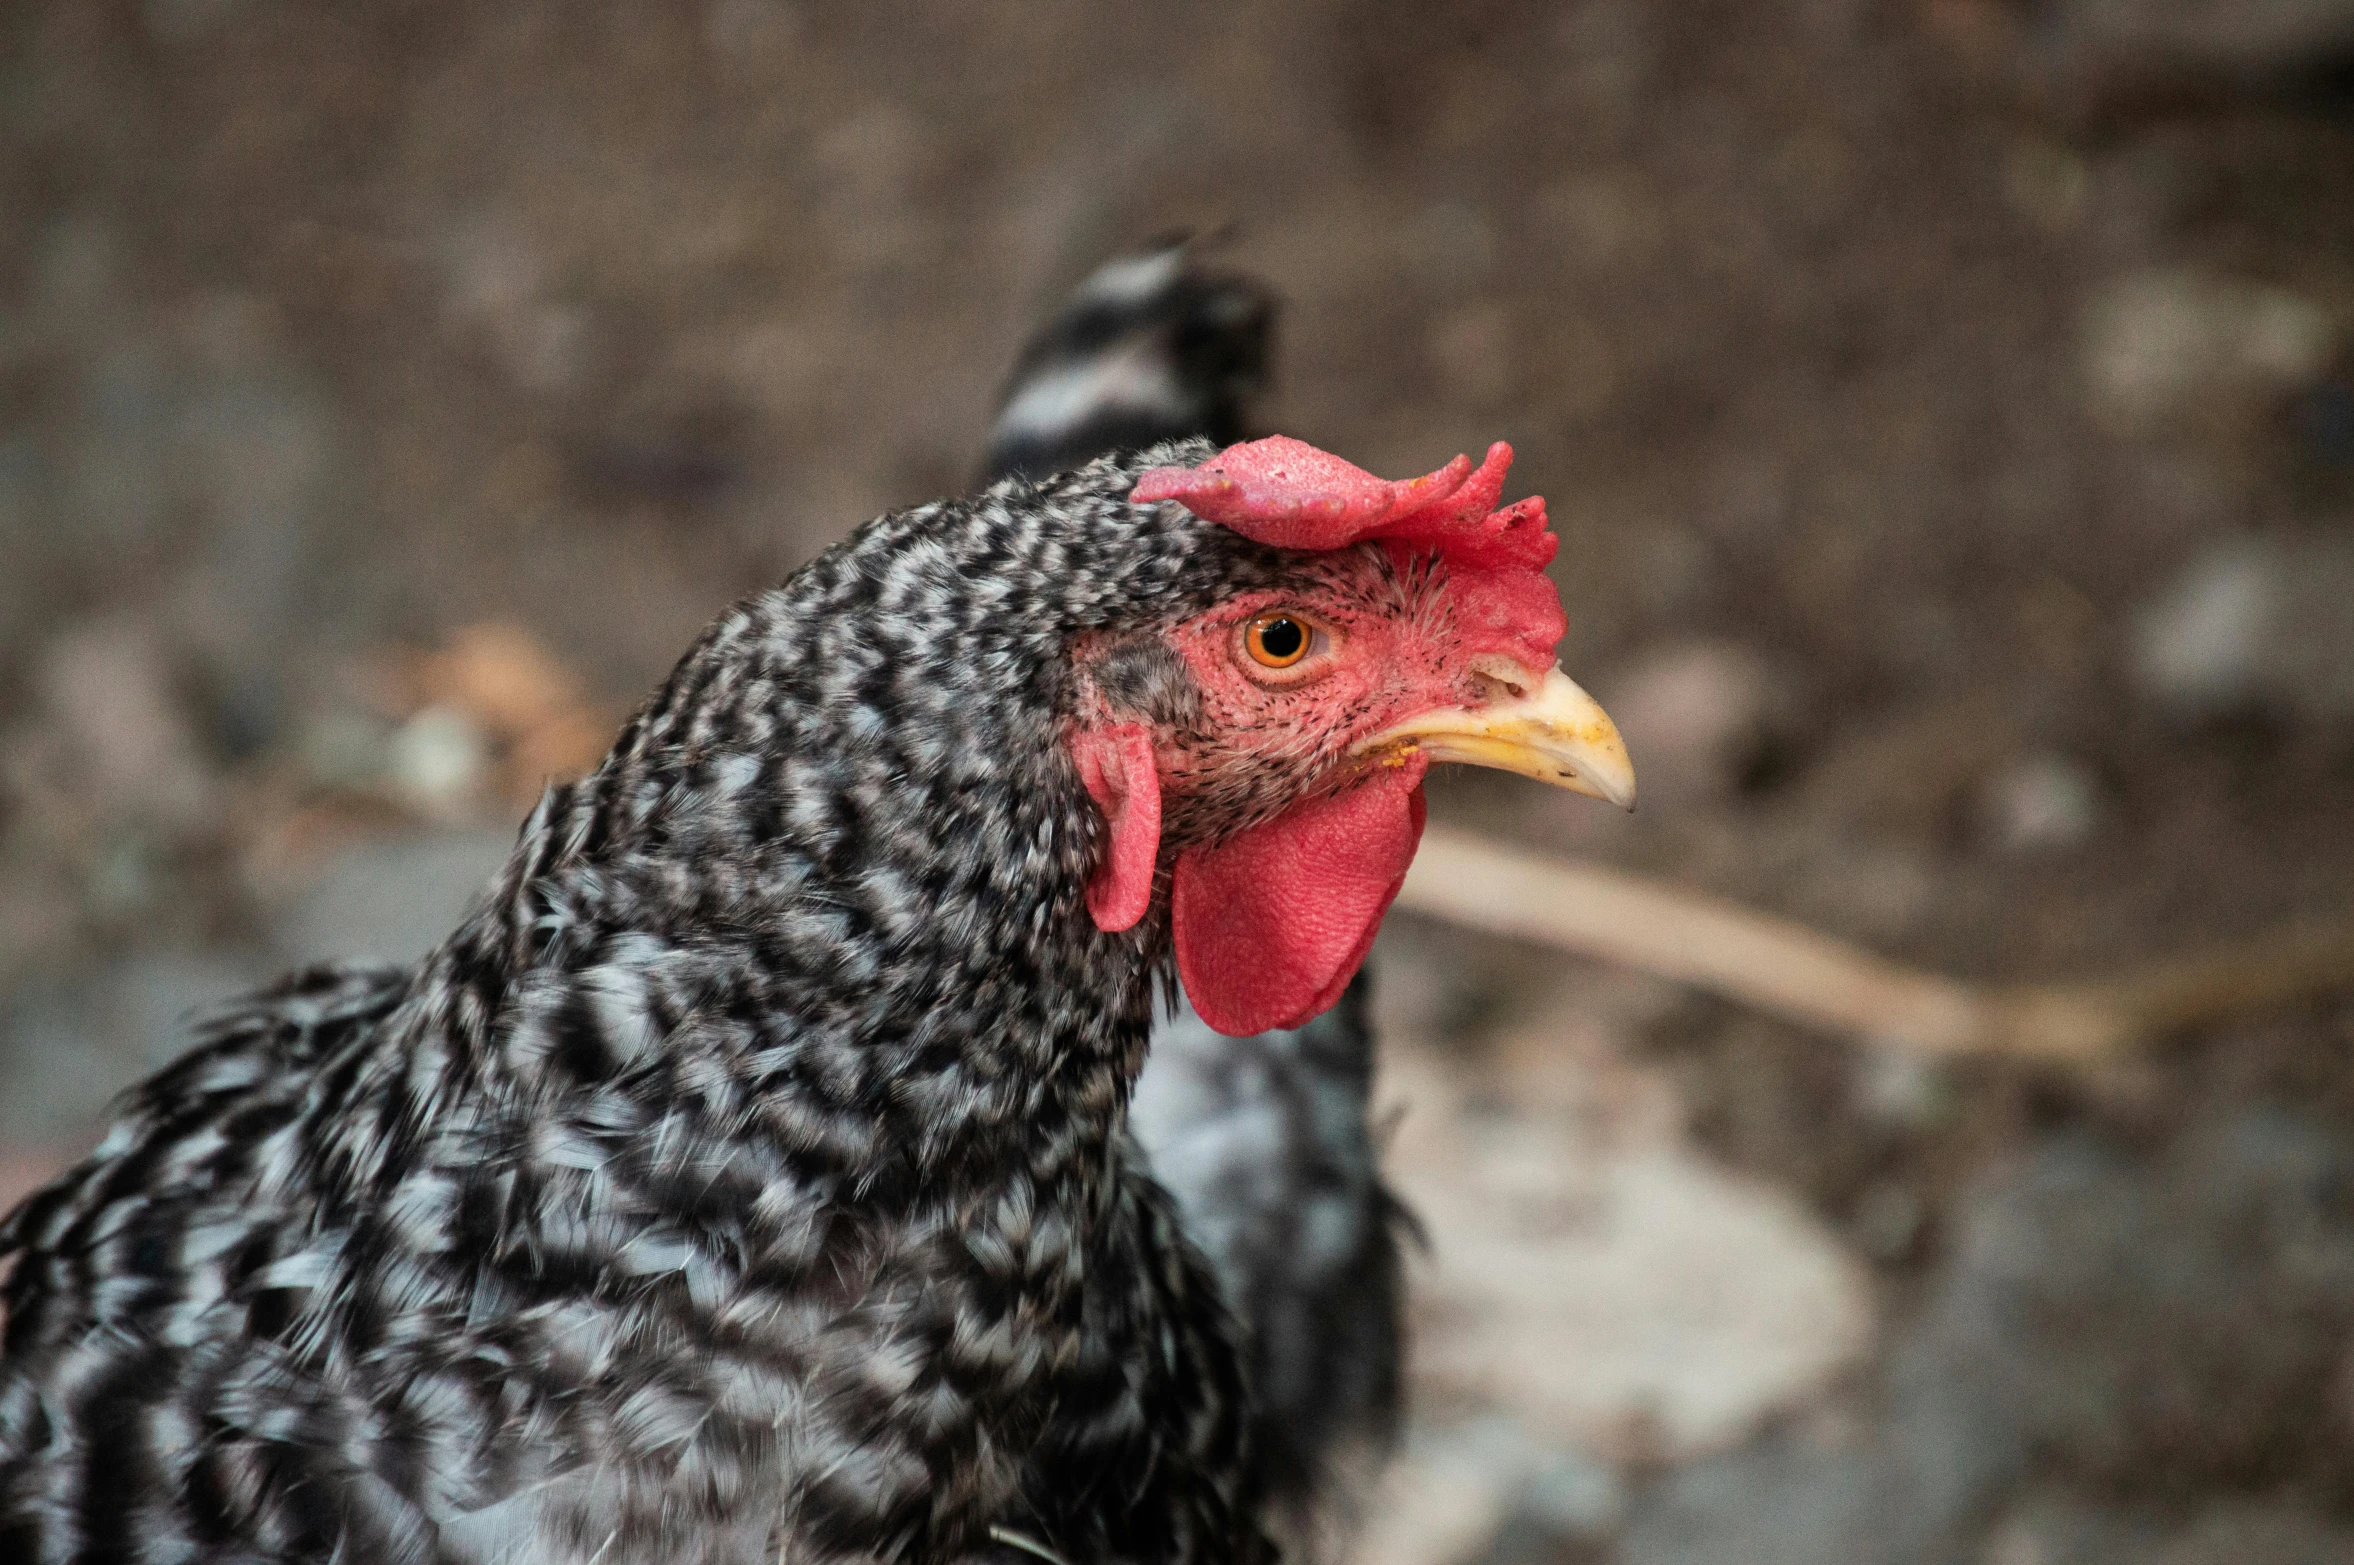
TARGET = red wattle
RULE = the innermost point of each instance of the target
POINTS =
(1272, 925)
(1123, 778)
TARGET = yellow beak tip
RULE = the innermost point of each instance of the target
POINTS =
(1555, 733)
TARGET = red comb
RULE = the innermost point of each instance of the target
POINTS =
(1287, 493)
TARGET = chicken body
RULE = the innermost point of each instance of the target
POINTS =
(744, 1178)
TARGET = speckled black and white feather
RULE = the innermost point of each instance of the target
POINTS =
(746, 1178)
(1269, 1147)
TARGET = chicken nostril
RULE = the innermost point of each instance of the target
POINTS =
(1499, 679)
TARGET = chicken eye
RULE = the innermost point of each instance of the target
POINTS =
(1276, 640)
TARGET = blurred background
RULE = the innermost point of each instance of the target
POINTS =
(1948, 410)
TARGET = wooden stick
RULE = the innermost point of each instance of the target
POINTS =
(1789, 970)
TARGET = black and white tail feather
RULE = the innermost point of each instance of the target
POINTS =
(1267, 1142)
(1150, 347)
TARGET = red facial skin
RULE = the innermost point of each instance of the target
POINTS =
(1287, 849)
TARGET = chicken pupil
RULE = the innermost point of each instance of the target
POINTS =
(1282, 639)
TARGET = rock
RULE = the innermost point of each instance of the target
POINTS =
(1784, 1501)
(1484, 1490)
(343, 749)
(391, 900)
(1902, 1089)
(2256, 624)
(2170, 343)
(500, 691)
(2170, 1319)
(2199, 646)
(2066, 1530)
(2249, 1534)
(2177, 1316)
(1437, 1505)
(1594, 1279)
(438, 762)
(2041, 802)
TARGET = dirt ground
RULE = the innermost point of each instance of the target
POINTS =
(1947, 407)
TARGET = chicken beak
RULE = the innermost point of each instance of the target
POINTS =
(1553, 732)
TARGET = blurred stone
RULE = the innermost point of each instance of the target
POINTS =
(344, 749)
(1595, 1280)
(2167, 1319)
(1435, 1506)
(2200, 644)
(2181, 1312)
(2254, 624)
(2257, 1534)
(1700, 716)
(513, 698)
(1566, 1494)
(2052, 1529)
(1486, 1491)
(391, 900)
(437, 762)
(2169, 342)
(2041, 802)
(1902, 1088)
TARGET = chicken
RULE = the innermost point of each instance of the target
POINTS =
(746, 1178)
(1266, 1142)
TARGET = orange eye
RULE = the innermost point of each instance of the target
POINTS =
(1277, 640)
